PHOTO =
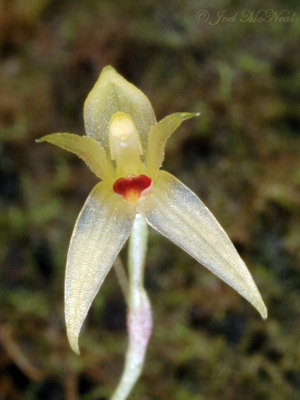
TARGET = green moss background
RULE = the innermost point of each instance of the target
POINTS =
(241, 157)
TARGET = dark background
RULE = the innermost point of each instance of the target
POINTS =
(241, 157)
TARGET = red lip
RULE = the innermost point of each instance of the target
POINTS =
(132, 188)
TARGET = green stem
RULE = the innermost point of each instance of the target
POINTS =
(139, 318)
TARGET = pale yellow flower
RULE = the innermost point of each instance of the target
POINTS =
(124, 147)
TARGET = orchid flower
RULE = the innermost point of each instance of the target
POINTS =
(124, 147)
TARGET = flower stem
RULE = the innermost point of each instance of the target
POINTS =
(139, 317)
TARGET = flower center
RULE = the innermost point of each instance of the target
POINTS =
(123, 135)
(133, 188)
(125, 145)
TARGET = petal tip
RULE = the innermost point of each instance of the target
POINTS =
(73, 341)
(45, 138)
(261, 308)
(108, 68)
(264, 313)
(189, 115)
(108, 71)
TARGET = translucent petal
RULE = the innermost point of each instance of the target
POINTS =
(177, 213)
(113, 93)
(158, 136)
(101, 230)
(88, 149)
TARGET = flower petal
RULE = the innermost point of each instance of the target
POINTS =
(113, 93)
(158, 136)
(101, 230)
(177, 213)
(88, 149)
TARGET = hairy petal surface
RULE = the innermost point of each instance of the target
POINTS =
(158, 136)
(88, 149)
(101, 230)
(113, 93)
(177, 213)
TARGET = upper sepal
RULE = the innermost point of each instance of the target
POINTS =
(113, 93)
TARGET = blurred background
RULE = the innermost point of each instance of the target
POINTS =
(241, 157)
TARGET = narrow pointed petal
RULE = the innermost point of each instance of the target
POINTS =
(113, 93)
(158, 136)
(177, 213)
(88, 149)
(101, 230)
